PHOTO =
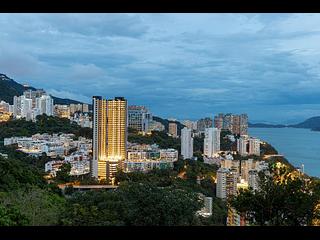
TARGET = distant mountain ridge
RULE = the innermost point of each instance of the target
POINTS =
(265, 125)
(10, 88)
(312, 123)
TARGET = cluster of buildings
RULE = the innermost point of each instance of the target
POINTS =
(248, 146)
(236, 124)
(63, 146)
(37, 102)
(78, 113)
(67, 111)
(147, 157)
(31, 104)
(111, 119)
(234, 175)
(139, 118)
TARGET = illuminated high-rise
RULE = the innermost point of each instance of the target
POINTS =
(117, 114)
(99, 148)
(110, 122)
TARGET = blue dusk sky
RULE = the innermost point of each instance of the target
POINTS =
(183, 66)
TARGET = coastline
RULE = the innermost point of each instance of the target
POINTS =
(299, 146)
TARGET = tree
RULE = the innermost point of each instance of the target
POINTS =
(138, 204)
(10, 216)
(148, 205)
(283, 200)
(63, 175)
(39, 206)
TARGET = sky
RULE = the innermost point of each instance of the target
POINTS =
(183, 66)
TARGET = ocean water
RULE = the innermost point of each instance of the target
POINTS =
(299, 146)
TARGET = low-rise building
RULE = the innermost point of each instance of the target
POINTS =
(147, 157)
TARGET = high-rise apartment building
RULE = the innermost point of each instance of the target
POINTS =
(211, 141)
(100, 140)
(76, 108)
(16, 106)
(186, 143)
(248, 146)
(85, 108)
(254, 146)
(236, 124)
(204, 123)
(110, 123)
(62, 111)
(243, 124)
(173, 129)
(34, 94)
(26, 108)
(218, 121)
(226, 183)
(246, 166)
(31, 104)
(139, 118)
(242, 146)
(45, 105)
(117, 128)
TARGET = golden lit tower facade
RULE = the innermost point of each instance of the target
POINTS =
(117, 134)
(100, 140)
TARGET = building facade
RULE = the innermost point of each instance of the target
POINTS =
(204, 123)
(236, 124)
(226, 183)
(186, 143)
(173, 129)
(110, 123)
(211, 142)
(139, 118)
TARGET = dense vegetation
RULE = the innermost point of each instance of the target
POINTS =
(160, 138)
(133, 204)
(43, 124)
(283, 200)
(26, 199)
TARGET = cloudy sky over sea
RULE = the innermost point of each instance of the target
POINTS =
(185, 66)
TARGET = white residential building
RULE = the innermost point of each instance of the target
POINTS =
(242, 143)
(248, 146)
(45, 105)
(211, 142)
(186, 143)
(226, 183)
(254, 146)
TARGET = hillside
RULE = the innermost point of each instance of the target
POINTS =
(311, 123)
(10, 88)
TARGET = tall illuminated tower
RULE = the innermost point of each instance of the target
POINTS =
(117, 134)
(100, 140)
(110, 126)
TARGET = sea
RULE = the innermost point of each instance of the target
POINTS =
(299, 146)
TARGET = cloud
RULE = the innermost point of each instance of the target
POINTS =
(188, 65)
(69, 95)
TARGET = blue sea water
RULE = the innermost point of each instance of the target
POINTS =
(299, 146)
